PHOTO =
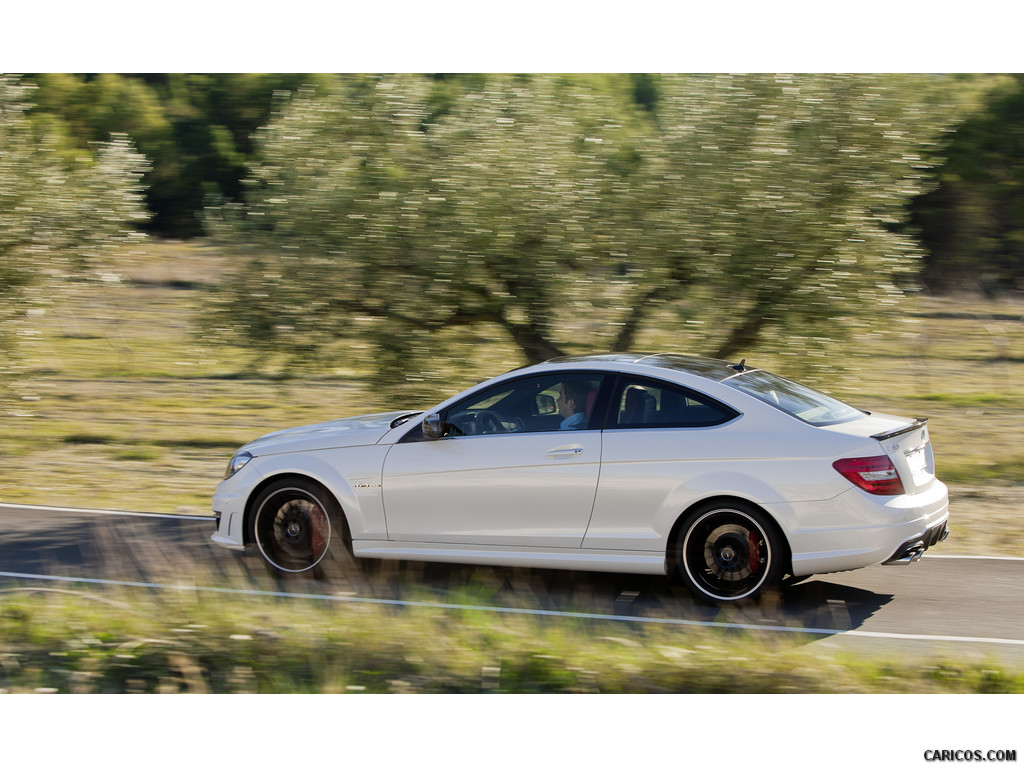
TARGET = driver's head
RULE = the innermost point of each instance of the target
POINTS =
(570, 399)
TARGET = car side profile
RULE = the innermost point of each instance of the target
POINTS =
(725, 477)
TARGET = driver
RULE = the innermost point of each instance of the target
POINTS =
(571, 406)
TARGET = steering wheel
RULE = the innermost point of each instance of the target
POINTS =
(488, 423)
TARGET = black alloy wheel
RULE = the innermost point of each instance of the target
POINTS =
(294, 524)
(727, 552)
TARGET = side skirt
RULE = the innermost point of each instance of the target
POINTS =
(611, 561)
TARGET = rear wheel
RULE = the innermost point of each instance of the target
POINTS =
(728, 551)
(298, 527)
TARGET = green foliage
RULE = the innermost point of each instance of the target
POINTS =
(90, 109)
(973, 222)
(561, 215)
(196, 131)
(778, 199)
(193, 128)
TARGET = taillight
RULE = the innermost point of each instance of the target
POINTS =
(875, 474)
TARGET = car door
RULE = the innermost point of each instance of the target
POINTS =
(505, 474)
(657, 436)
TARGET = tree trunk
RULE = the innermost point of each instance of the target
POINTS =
(744, 335)
(535, 345)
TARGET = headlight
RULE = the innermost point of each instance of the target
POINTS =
(238, 461)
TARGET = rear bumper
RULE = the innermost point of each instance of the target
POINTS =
(885, 529)
(910, 551)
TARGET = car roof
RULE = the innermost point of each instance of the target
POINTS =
(705, 367)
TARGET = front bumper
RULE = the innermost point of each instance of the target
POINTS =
(229, 509)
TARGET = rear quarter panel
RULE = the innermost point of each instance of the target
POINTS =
(650, 477)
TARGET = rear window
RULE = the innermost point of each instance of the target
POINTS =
(797, 400)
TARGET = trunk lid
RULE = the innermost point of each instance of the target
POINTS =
(909, 449)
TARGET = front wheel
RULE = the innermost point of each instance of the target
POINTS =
(727, 552)
(295, 524)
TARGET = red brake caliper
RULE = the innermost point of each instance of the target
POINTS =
(318, 522)
(755, 551)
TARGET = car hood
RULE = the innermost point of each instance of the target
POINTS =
(340, 433)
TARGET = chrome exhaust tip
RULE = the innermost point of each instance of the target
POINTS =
(909, 553)
(915, 555)
(912, 551)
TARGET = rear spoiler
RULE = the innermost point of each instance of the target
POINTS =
(916, 424)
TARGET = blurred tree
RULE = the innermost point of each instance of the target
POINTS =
(375, 222)
(771, 205)
(194, 129)
(56, 214)
(972, 223)
(745, 208)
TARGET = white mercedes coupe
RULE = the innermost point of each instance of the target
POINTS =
(725, 477)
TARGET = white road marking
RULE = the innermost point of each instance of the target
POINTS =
(524, 611)
(121, 512)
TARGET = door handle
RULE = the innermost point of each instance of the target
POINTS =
(558, 453)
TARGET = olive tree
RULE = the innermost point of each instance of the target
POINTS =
(773, 206)
(366, 219)
(742, 211)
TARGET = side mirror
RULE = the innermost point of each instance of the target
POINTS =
(433, 426)
(546, 405)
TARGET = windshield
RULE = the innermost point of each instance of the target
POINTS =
(795, 399)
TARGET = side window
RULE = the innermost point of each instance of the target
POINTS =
(532, 404)
(648, 403)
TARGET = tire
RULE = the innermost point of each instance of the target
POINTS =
(298, 528)
(727, 552)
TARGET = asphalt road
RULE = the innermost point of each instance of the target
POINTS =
(965, 607)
